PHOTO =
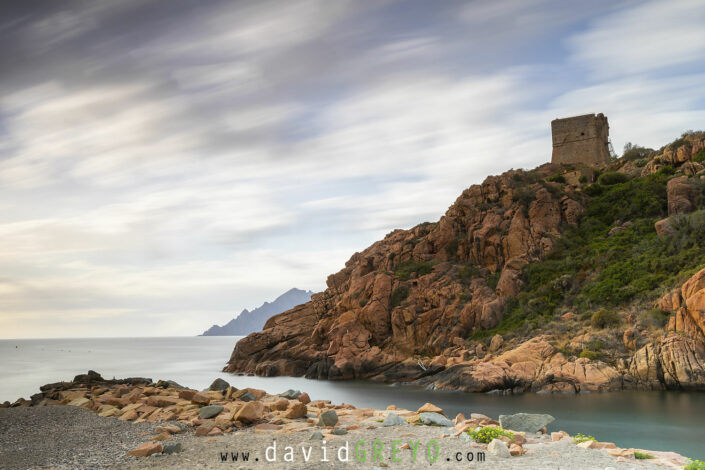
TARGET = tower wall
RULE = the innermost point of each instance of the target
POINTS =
(581, 139)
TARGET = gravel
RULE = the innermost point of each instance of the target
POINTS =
(66, 437)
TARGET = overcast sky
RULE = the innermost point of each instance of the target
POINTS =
(165, 164)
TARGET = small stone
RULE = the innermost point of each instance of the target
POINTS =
(215, 432)
(146, 449)
(434, 419)
(281, 404)
(498, 449)
(339, 432)
(210, 411)
(328, 418)
(170, 428)
(291, 394)
(164, 436)
(393, 420)
(247, 396)
(296, 411)
(187, 394)
(171, 448)
(250, 412)
(304, 398)
(430, 408)
(203, 430)
(515, 450)
(316, 436)
(219, 385)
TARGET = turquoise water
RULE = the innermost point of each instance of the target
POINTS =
(650, 420)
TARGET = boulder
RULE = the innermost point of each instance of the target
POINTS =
(434, 419)
(200, 399)
(146, 449)
(525, 422)
(250, 412)
(430, 408)
(499, 449)
(393, 420)
(316, 436)
(280, 405)
(219, 385)
(328, 418)
(296, 410)
(210, 411)
(304, 398)
(291, 394)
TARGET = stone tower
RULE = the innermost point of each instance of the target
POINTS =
(581, 139)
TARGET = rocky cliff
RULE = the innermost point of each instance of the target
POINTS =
(250, 321)
(466, 302)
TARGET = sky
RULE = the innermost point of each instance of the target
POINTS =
(165, 164)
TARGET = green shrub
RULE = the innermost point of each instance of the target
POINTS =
(556, 179)
(493, 280)
(592, 355)
(468, 271)
(399, 295)
(486, 434)
(452, 249)
(699, 156)
(583, 179)
(524, 196)
(604, 318)
(642, 455)
(635, 152)
(608, 179)
(695, 465)
(578, 438)
(406, 269)
(641, 163)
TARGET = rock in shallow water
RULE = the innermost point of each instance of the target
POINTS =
(219, 385)
(525, 422)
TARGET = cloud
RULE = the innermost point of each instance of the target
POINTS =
(654, 36)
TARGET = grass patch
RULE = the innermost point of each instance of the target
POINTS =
(642, 455)
(405, 270)
(399, 295)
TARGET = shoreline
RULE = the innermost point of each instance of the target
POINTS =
(197, 426)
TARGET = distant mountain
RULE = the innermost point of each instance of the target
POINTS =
(249, 322)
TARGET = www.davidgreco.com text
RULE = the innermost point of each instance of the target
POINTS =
(360, 451)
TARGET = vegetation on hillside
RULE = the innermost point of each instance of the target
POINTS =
(612, 258)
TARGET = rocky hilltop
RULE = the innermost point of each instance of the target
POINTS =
(250, 321)
(564, 278)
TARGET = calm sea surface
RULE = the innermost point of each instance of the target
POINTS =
(651, 420)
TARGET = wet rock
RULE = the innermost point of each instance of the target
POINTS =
(291, 394)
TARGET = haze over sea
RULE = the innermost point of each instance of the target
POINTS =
(651, 420)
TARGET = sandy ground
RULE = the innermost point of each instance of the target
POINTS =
(64, 437)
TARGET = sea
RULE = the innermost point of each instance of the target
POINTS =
(648, 420)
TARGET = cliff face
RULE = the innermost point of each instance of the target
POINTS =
(248, 322)
(407, 307)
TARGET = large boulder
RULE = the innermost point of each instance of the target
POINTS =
(434, 419)
(525, 422)
(219, 385)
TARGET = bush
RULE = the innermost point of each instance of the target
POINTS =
(493, 280)
(695, 465)
(468, 271)
(592, 355)
(583, 179)
(641, 163)
(485, 435)
(608, 179)
(642, 455)
(699, 156)
(524, 196)
(635, 152)
(556, 179)
(604, 319)
(578, 438)
(406, 269)
(399, 295)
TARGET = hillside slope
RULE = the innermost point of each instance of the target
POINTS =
(250, 321)
(544, 280)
